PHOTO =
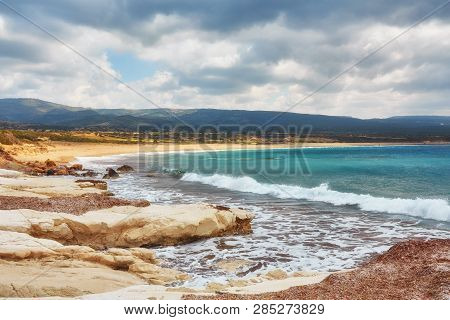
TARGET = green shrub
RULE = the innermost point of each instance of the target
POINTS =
(8, 138)
(26, 135)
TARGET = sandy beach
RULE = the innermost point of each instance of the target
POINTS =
(69, 151)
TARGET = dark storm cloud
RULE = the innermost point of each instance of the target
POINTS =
(19, 50)
(231, 15)
(440, 81)
(225, 80)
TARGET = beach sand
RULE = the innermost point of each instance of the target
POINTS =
(69, 151)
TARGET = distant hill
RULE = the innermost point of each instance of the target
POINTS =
(43, 114)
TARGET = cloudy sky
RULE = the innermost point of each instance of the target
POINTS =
(234, 54)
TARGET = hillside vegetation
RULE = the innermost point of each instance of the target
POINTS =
(38, 114)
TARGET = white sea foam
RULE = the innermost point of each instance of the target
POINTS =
(437, 209)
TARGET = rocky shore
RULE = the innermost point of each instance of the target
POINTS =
(69, 237)
(129, 226)
(64, 235)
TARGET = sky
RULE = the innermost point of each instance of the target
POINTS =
(234, 54)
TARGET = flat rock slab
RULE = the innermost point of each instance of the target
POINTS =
(28, 279)
(129, 226)
(43, 187)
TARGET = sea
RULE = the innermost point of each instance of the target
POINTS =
(316, 209)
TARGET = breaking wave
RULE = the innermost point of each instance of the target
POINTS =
(437, 209)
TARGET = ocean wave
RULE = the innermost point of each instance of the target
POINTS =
(437, 209)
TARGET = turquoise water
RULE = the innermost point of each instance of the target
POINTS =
(319, 209)
(413, 180)
(408, 172)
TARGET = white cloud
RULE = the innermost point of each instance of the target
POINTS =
(268, 66)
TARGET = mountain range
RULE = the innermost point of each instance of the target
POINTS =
(34, 113)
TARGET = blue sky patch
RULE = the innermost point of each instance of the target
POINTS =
(129, 66)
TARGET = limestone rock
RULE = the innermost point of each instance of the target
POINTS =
(277, 274)
(49, 163)
(89, 183)
(89, 173)
(232, 265)
(16, 246)
(29, 251)
(215, 286)
(65, 278)
(157, 275)
(111, 174)
(42, 187)
(76, 167)
(125, 168)
(129, 226)
(238, 283)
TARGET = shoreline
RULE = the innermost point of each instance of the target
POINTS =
(94, 242)
(98, 245)
(110, 263)
(66, 152)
